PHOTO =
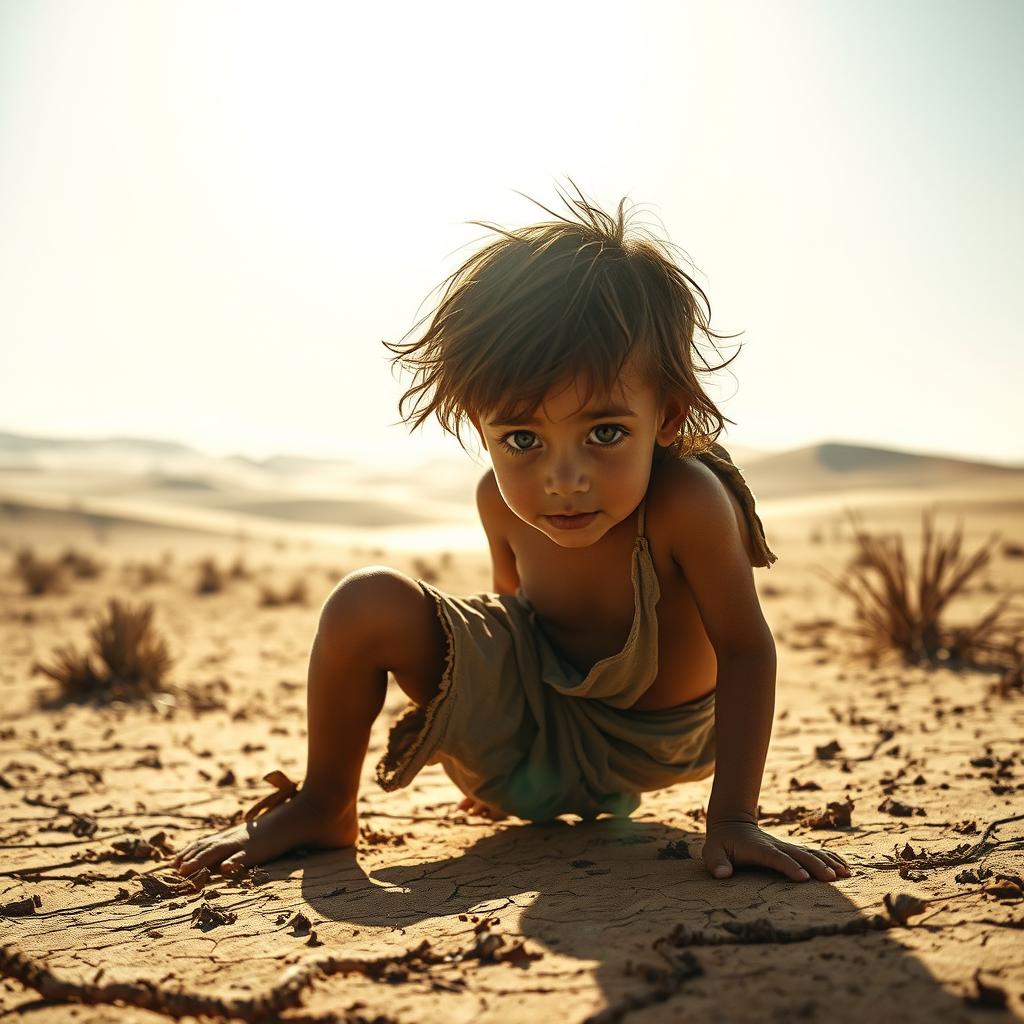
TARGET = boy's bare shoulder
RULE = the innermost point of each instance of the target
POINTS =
(495, 517)
(699, 519)
(688, 496)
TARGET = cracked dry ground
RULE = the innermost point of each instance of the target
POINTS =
(436, 917)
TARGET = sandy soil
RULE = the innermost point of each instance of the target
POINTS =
(434, 917)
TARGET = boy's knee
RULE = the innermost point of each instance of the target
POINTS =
(369, 606)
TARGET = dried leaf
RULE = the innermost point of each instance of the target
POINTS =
(900, 810)
(21, 908)
(835, 815)
(206, 917)
(903, 906)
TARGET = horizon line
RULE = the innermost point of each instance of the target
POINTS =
(295, 453)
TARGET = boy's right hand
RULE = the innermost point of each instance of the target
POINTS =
(732, 842)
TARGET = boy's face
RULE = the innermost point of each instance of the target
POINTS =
(573, 473)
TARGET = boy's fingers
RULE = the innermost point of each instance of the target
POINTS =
(830, 858)
(836, 863)
(784, 864)
(819, 863)
(717, 862)
(233, 863)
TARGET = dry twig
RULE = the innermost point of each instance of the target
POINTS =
(285, 994)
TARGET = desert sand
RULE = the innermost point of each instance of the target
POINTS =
(913, 774)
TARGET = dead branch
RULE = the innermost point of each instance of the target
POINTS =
(763, 931)
(960, 855)
(665, 982)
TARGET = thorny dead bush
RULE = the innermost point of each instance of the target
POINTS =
(295, 594)
(150, 573)
(1012, 679)
(39, 575)
(897, 613)
(239, 570)
(145, 574)
(128, 659)
(211, 578)
(425, 570)
(82, 566)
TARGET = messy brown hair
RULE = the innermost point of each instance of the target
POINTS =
(572, 297)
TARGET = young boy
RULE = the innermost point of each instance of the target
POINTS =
(623, 648)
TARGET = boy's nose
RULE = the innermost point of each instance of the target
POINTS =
(566, 479)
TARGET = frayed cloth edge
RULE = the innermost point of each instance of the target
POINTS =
(415, 734)
(718, 458)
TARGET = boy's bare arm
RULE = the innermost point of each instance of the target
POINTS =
(708, 547)
(493, 516)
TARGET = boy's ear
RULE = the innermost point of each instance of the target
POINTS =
(673, 414)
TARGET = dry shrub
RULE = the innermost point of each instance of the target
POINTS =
(1012, 679)
(80, 565)
(211, 578)
(128, 658)
(39, 575)
(145, 574)
(425, 571)
(897, 613)
(239, 570)
(152, 572)
(206, 696)
(295, 594)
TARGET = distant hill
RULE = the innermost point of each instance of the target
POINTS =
(150, 452)
(27, 443)
(289, 465)
(832, 466)
(742, 454)
(310, 489)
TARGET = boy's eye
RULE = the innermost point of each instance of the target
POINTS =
(608, 433)
(519, 440)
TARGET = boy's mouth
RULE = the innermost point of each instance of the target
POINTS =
(573, 522)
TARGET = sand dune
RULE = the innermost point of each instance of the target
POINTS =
(432, 503)
(829, 467)
(824, 481)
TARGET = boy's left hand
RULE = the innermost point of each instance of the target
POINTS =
(729, 843)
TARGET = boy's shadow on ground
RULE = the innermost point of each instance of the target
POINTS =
(599, 891)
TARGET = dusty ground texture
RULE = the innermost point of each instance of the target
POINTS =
(434, 917)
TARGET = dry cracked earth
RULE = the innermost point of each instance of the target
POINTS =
(915, 776)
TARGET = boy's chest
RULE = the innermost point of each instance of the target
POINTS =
(584, 600)
(581, 597)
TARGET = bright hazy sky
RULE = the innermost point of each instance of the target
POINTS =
(211, 213)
